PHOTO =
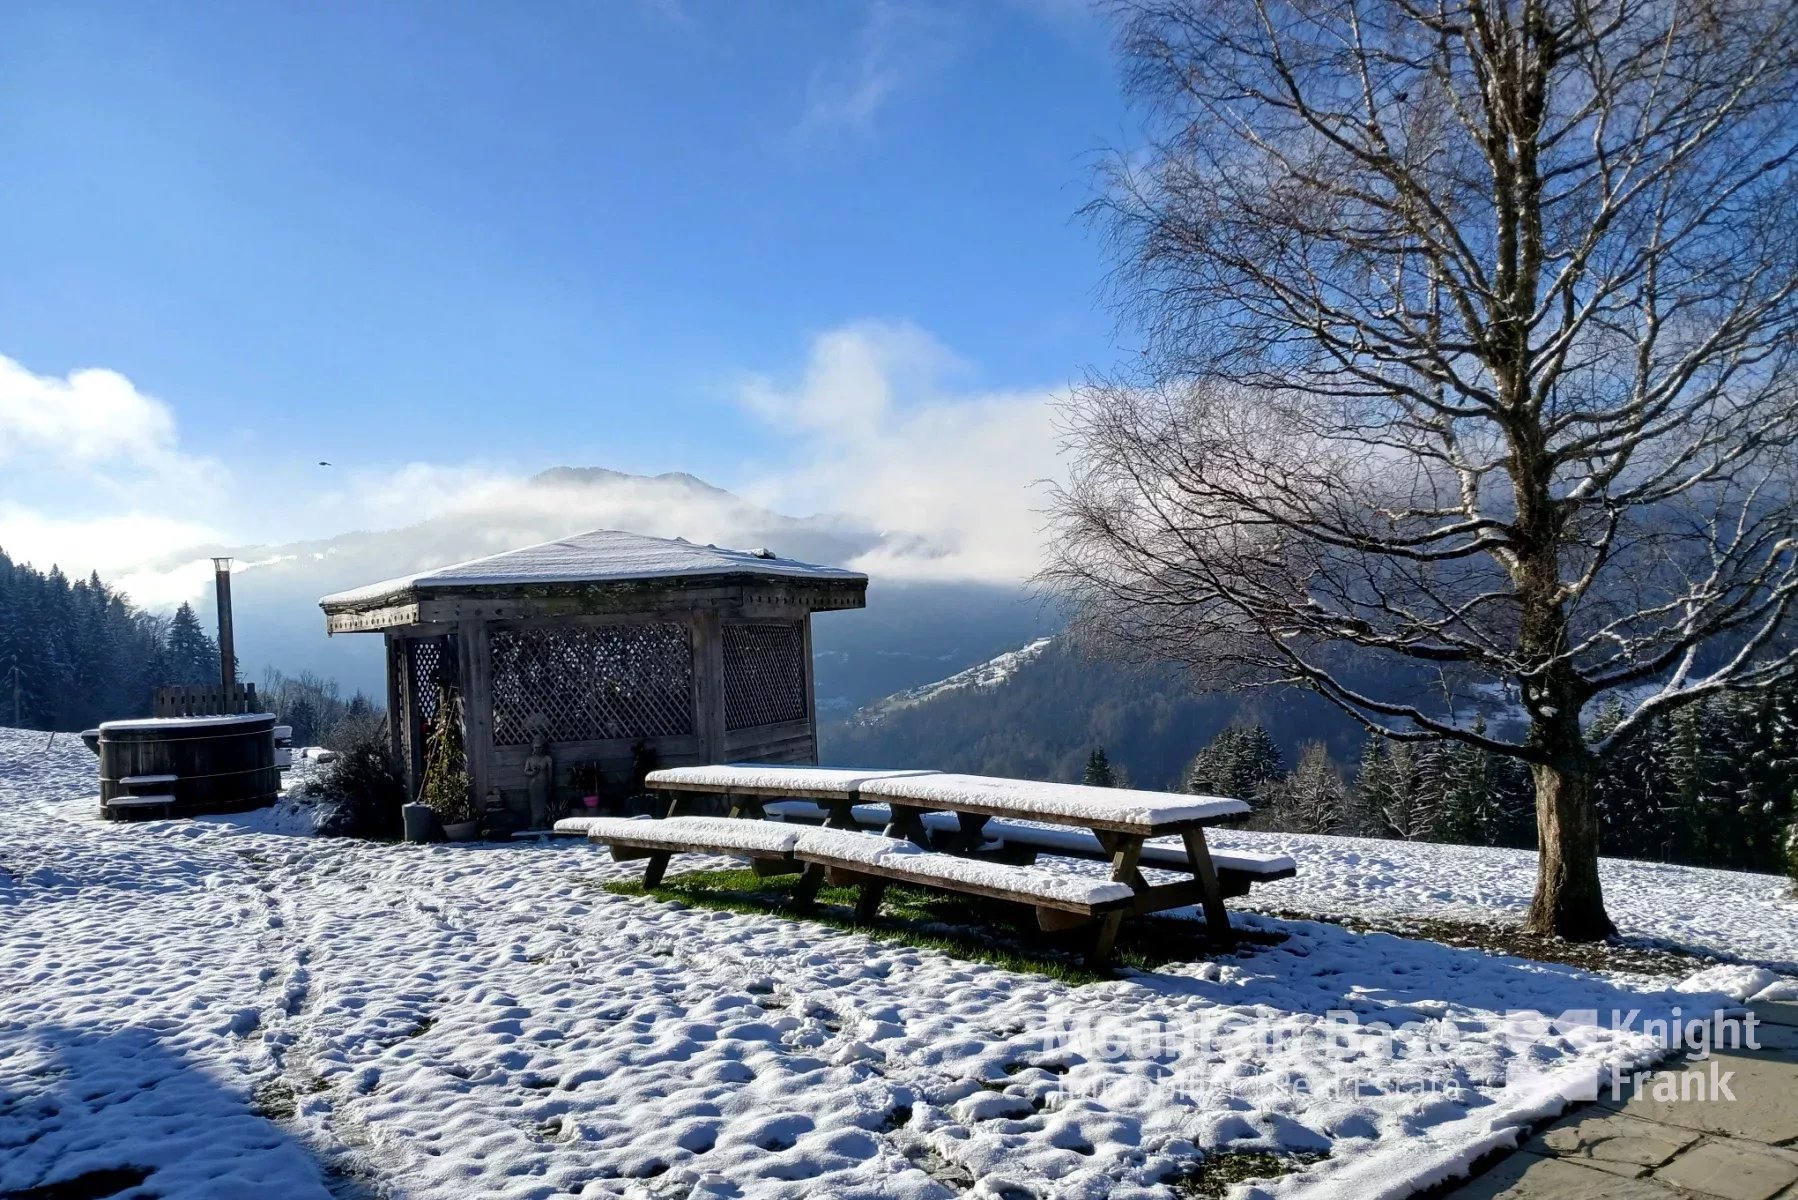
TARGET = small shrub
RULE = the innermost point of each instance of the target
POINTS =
(354, 728)
(365, 789)
(447, 789)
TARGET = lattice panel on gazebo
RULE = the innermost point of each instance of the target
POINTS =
(764, 673)
(587, 683)
(430, 664)
(430, 668)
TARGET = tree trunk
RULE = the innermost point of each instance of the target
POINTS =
(1569, 902)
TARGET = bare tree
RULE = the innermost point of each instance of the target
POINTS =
(1470, 355)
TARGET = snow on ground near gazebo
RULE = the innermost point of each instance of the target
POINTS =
(241, 1010)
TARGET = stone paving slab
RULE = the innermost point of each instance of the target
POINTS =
(1778, 1039)
(1776, 1012)
(1671, 1136)
(1611, 1141)
(1534, 1177)
(1765, 1087)
(1732, 1170)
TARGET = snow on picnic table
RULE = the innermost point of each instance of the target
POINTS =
(242, 1011)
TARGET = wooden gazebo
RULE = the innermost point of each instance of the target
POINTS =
(620, 650)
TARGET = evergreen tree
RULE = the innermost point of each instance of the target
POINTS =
(1312, 799)
(1098, 770)
(1485, 798)
(192, 656)
(1238, 763)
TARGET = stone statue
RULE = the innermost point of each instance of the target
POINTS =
(540, 782)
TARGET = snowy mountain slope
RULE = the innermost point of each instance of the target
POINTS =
(238, 1011)
(1038, 710)
(989, 674)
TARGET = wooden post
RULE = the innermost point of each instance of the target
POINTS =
(708, 685)
(867, 904)
(811, 694)
(805, 892)
(1198, 855)
(396, 710)
(1126, 851)
(654, 869)
(474, 678)
(221, 575)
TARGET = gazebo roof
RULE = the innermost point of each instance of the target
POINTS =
(600, 556)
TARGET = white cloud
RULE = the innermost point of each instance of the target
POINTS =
(95, 477)
(952, 479)
(896, 45)
(93, 417)
(930, 476)
(81, 544)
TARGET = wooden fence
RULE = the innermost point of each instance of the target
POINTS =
(206, 700)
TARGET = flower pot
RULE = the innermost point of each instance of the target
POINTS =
(462, 831)
(421, 822)
(590, 801)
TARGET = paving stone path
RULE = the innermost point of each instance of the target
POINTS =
(1668, 1136)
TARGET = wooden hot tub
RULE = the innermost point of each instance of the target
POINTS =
(177, 766)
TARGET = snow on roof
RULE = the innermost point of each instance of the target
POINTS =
(597, 556)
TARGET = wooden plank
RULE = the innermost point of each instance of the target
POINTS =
(1054, 920)
(850, 870)
(386, 617)
(1160, 897)
(627, 849)
(754, 743)
(1217, 917)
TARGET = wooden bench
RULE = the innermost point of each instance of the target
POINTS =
(871, 862)
(641, 838)
(1015, 841)
(867, 861)
(940, 811)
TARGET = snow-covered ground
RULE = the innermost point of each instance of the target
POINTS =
(243, 1010)
(1730, 914)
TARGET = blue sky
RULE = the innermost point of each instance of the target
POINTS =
(503, 237)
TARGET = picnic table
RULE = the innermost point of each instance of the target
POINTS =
(1120, 822)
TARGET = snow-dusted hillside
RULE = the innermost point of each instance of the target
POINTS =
(1040, 708)
(989, 674)
(237, 1010)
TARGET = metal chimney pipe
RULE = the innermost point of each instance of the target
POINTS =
(221, 573)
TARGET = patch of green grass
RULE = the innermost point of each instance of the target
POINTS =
(969, 927)
(273, 1099)
(1214, 1176)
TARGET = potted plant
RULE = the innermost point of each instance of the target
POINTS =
(588, 780)
(446, 789)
